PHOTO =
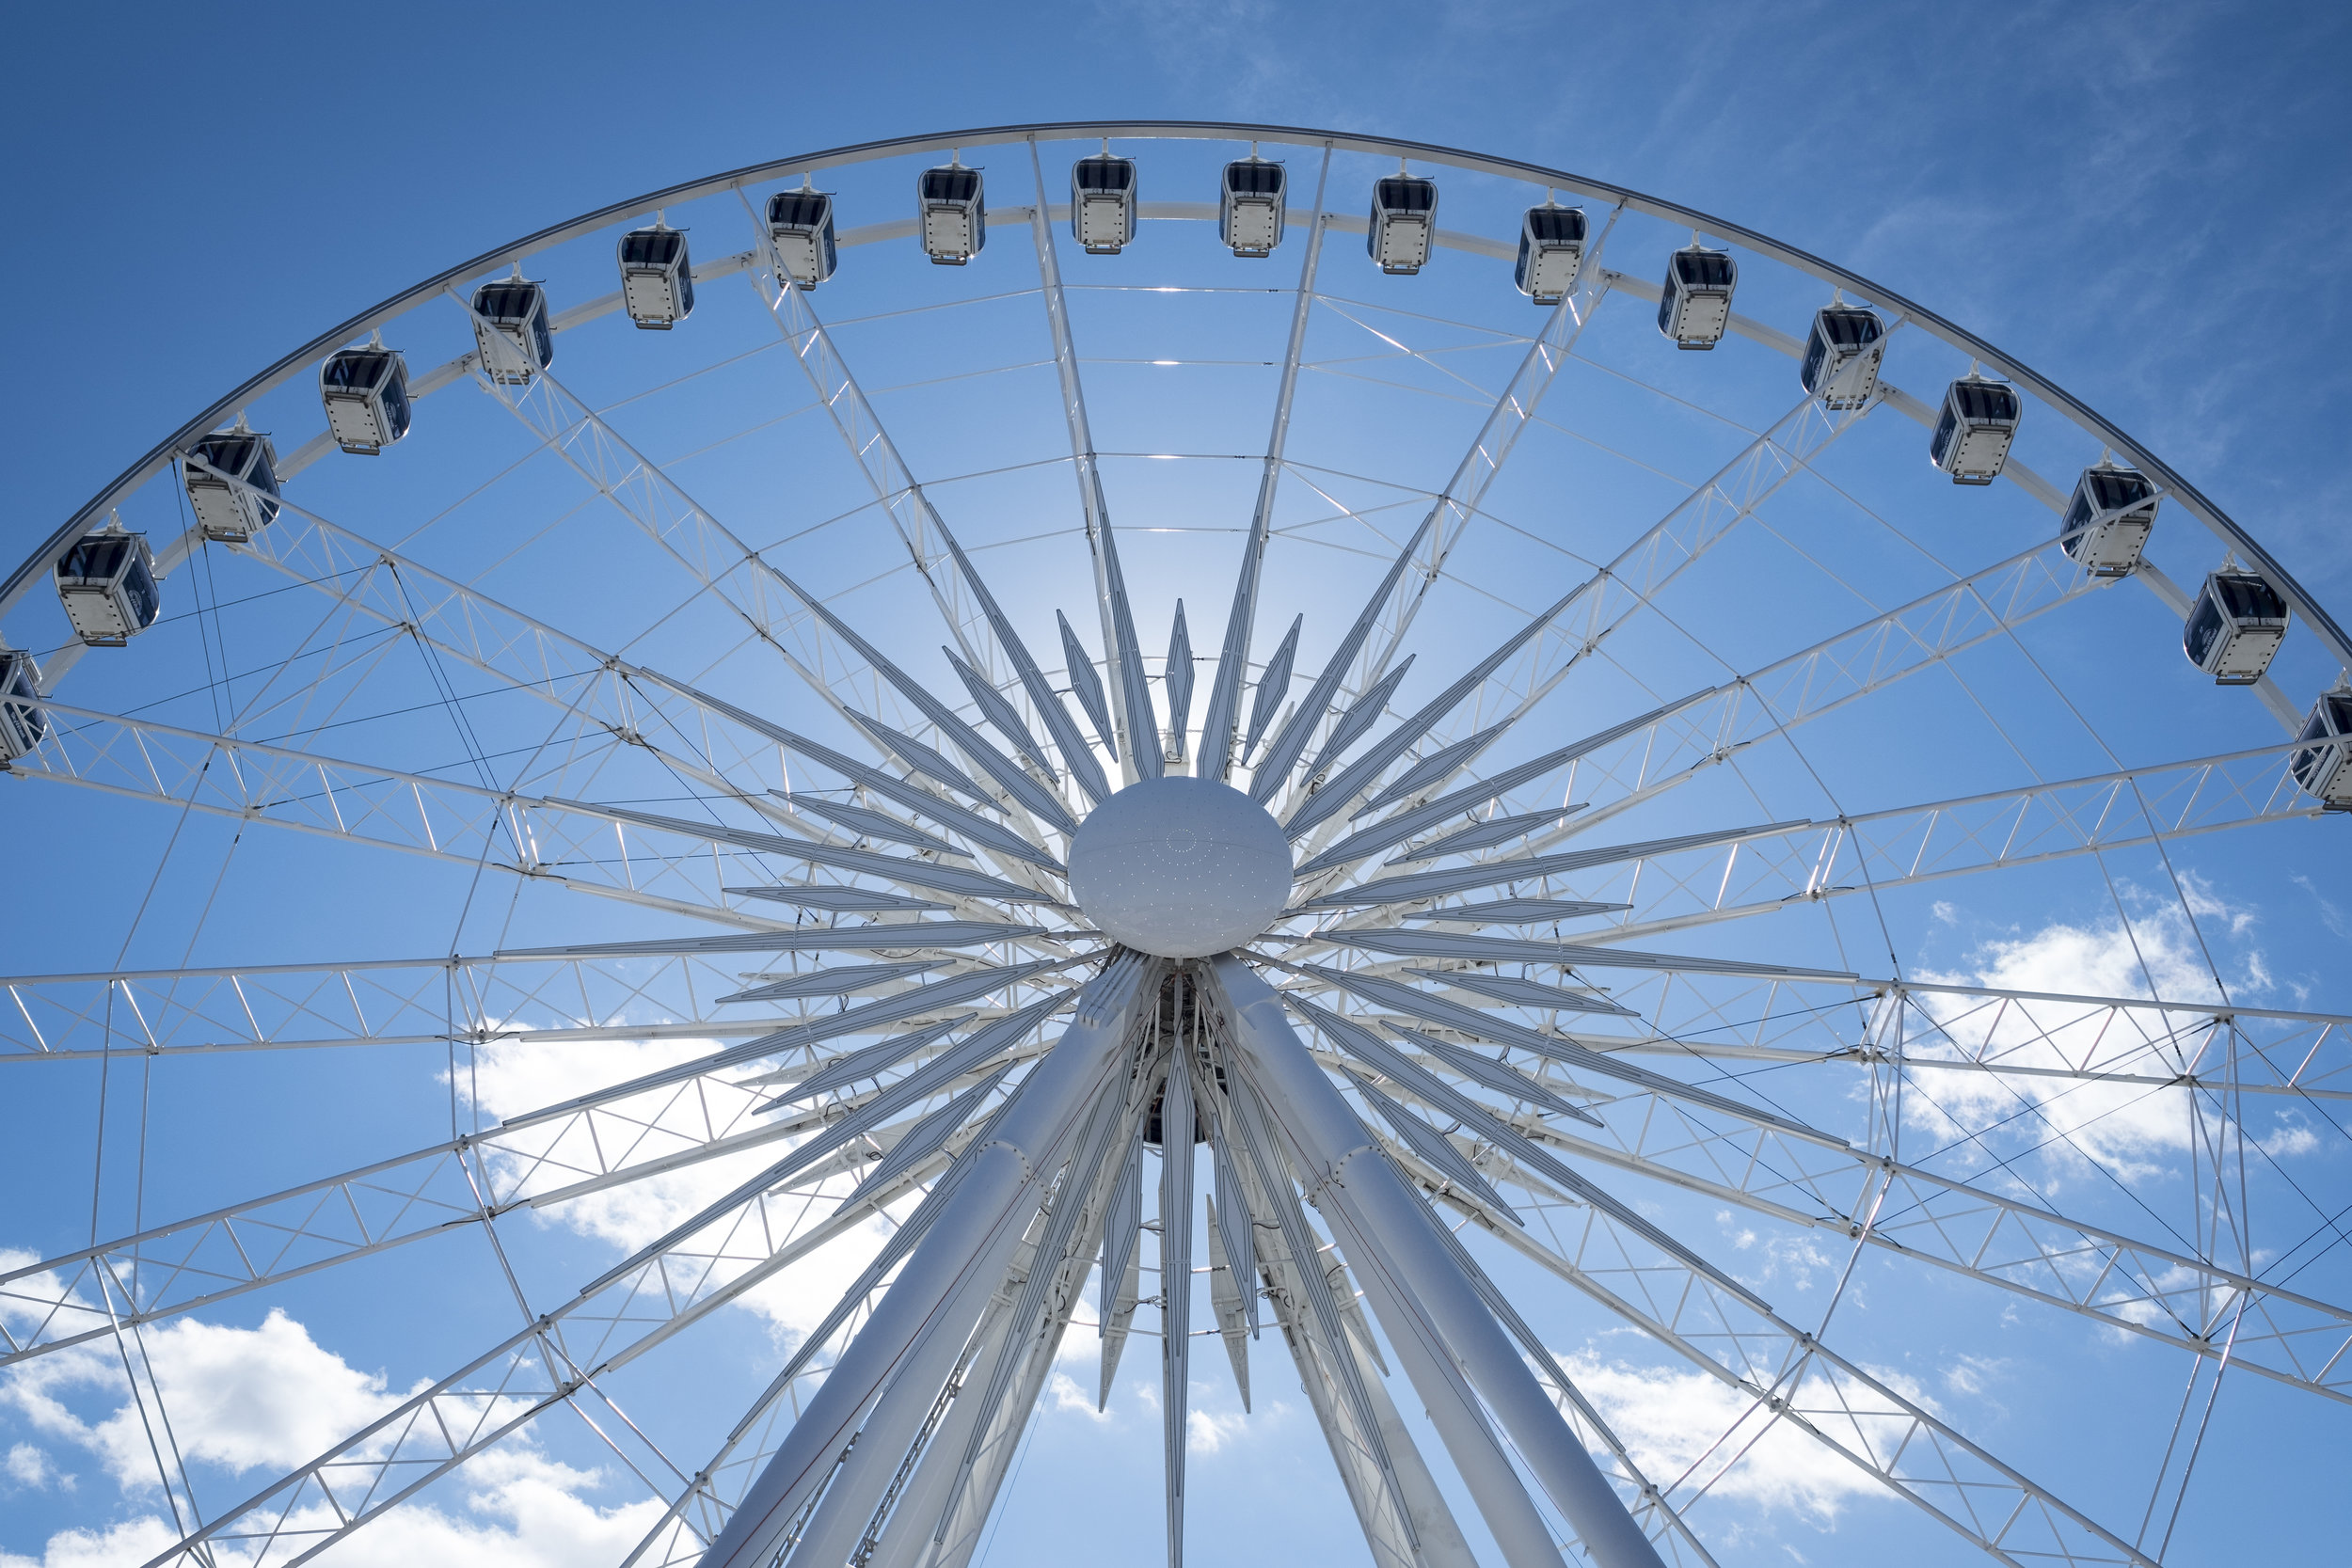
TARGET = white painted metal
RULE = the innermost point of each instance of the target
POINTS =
(1431, 1314)
(938, 1382)
(947, 1280)
(1180, 867)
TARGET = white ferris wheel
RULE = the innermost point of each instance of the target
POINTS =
(899, 676)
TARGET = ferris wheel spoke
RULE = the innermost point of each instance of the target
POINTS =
(470, 1000)
(1232, 664)
(1489, 450)
(1688, 883)
(909, 796)
(957, 882)
(1388, 614)
(1009, 776)
(1396, 1500)
(1137, 750)
(1642, 569)
(952, 1492)
(1478, 875)
(1924, 635)
(645, 495)
(888, 1378)
(1675, 742)
(459, 621)
(1641, 1497)
(622, 1134)
(1904, 847)
(1795, 1377)
(566, 843)
(2122, 1282)
(709, 1260)
(695, 1516)
(984, 636)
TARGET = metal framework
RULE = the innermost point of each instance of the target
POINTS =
(1598, 794)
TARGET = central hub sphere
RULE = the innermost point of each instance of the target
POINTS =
(1180, 868)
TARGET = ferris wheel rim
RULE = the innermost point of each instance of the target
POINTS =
(898, 146)
(159, 457)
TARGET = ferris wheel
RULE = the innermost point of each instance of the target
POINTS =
(828, 718)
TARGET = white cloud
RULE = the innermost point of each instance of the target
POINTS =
(1672, 1422)
(240, 1398)
(1064, 1392)
(1972, 1374)
(513, 1076)
(514, 1509)
(2127, 1127)
(1205, 1432)
(271, 1398)
(28, 1465)
(1797, 1261)
(2291, 1134)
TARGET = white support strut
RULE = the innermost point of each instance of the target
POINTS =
(1367, 1194)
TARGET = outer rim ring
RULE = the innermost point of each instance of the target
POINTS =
(2218, 522)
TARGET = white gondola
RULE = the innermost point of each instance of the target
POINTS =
(107, 582)
(1403, 220)
(366, 394)
(800, 224)
(2107, 522)
(1695, 305)
(2325, 772)
(2234, 627)
(22, 721)
(657, 276)
(510, 329)
(1552, 252)
(1842, 354)
(1103, 203)
(953, 212)
(232, 484)
(1249, 207)
(1971, 440)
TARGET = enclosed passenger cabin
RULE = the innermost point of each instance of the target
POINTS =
(954, 213)
(800, 225)
(2234, 627)
(232, 484)
(1103, 203)
(1971, 441)
(107, 582)
(22, 721)
(2324, 770)
(1249, 207)
(657, 278)
(1842, 354)
(1694, 304)
(2107, 522)
(1552, 252)
(366, 394)
(511, 330)
(1404, 221)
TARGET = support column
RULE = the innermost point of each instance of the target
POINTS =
(911, 1340)
(1422, 1301)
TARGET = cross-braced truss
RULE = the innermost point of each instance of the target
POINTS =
(1582, 691)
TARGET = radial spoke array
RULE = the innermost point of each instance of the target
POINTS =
(1594, 732)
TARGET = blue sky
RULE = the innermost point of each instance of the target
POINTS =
(2142, 202)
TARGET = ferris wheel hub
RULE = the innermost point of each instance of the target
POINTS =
(1180, 868)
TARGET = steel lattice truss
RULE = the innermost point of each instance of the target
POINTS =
(1563, 975)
